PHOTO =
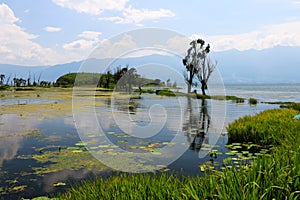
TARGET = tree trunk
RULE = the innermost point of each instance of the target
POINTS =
(203, 87)
(189, 88)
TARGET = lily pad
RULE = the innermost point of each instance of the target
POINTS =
(122, 141)
(263, 151)
(154, 145)
(236, 147)
(104, 146)
(229, 145)
(43, 198)
(251, 145)
(206, 166)
(19, 188)
(231, 153)
(80, 144)
(206, 148)
(59, 184)
(77, 151)
(66, 159)
(156, 153)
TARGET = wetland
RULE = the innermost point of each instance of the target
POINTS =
(42, 153)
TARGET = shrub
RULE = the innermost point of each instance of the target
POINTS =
(253, 101)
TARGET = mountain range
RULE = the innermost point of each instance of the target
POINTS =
(275, 65)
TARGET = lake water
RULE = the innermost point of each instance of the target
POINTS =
(24, 173)
(266, 92)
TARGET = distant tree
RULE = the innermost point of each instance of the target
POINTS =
(39, 78)
(28, 80)
(108, 79)
(19, 82)
(119, 73)
(43, 83)
(8, 79)
(168, 83)
(23, 82)
(34, 82)
(2, 77)
(198, 64)
(15, 81)
(130, 79)
(174, 85)
(157, 81)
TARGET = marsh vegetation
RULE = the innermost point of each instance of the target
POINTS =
(269, 176)
(38, 136)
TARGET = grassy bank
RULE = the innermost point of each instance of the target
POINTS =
(271, 176)
(170, 93)
(272, 127)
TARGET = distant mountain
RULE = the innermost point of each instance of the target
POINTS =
(275, 65)
(46, 73)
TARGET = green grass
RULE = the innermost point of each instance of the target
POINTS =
(270, 176)
(271, 127)
(278, 102)
(4, 87)
(24, 89)
(169, 93)
(295, 106)
(229, 98)
(150, 91)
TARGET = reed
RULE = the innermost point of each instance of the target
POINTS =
(271, 127)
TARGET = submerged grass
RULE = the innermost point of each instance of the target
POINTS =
(270, 176)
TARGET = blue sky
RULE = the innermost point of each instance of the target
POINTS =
(47, 32)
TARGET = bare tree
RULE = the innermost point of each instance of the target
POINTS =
(8, 79)
(204, 73)
(2, 77)
(198, 64)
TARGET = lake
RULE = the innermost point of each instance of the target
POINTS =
(41, 152)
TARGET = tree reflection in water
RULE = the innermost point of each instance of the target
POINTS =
(196, 124)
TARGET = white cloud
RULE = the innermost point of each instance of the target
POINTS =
(17, 46)
(296, 2)
(93, 35)
(7, 15)
(136, 16)
(287, 34)
(91, 39)
(177, 44)
(80, 45)
(115, 48)
(52, 29)
(93, 7)
(129, 15)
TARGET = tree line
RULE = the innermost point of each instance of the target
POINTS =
(20, 82)
(118, 78)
